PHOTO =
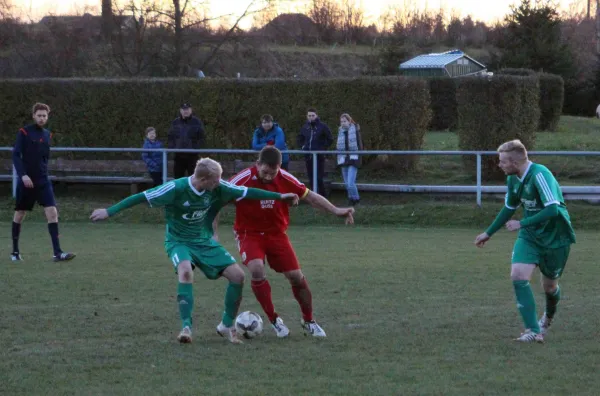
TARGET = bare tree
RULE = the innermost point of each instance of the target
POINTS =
(353, 21)
(328, 17)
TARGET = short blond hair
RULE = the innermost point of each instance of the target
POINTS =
(516, 148)
(206, 167)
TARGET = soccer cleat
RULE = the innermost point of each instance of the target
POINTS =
(313, 329)
(280, 328)
(185, 336)
(16, 256)
(544, 324)
(529, 336)
(229, 333)
(64, 257)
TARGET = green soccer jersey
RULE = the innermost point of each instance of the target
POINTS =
(190, 213)
(535, 190)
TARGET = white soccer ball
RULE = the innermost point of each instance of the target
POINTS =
(249, 324)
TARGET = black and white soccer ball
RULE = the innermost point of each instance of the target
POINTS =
(249, 324)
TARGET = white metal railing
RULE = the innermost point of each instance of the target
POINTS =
(478, 189)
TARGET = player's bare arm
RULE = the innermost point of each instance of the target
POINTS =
(320, 202)
(481, 239)
(215, 226)
(291, 198)
(99, 214)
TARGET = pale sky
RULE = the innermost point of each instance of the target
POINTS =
(486, 10)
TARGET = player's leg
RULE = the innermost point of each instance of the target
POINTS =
(25, 200)
(18, 218)
(552, 267)
(233, 298)
(181, 257)
(282, 258)
(252, 250)
(46, 199)
(524, 260)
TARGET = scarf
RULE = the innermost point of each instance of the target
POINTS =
(347, 141)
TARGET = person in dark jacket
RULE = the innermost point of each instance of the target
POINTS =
(349, 139)
(315, 135)
(30, 158)
(153, 160)
(270, 134)
(186, 132)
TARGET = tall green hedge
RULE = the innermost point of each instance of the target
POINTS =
(443, 103)
(492, 110)
(393, 111)
(552, 94)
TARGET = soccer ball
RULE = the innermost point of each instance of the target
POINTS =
(249, 324)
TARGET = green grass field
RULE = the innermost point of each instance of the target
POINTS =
(406, 310)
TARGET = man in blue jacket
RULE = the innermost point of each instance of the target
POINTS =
(270, 134)
(315, 135)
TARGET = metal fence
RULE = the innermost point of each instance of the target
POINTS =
(478, 189)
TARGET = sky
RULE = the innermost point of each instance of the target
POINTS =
(485, 10)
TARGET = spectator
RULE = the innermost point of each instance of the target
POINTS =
(153, 160)
(186, 132)
(349, 139)
(314, 136)
(270, 134)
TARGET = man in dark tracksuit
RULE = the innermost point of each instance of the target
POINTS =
(315, 135)
(30, 158)
(186, 132)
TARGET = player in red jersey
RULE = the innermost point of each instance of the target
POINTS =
(260, 230)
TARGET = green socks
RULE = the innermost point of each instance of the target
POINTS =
(551, 302)
(526, 305)
(233, 298)
(185, 300)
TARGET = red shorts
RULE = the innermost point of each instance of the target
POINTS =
(275, 249)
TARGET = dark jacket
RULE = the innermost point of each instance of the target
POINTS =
(315, 136)
(275, 137)
(153, 160)
(32, 152)
(186, 133)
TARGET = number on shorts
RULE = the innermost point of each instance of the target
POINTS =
(175, 259)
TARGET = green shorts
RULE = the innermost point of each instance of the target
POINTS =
(210, 256)
(551, 261)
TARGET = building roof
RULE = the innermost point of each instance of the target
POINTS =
(436, 61)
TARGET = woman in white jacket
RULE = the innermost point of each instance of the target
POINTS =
(349, 139)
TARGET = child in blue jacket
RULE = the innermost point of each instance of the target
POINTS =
(153, 160)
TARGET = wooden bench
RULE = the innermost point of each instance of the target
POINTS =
(132, 172)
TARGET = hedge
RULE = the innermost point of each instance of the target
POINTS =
(443, 103)
(492, 110)
(393, 111)
(552, 95)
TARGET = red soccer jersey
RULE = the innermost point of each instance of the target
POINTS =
(265, 215)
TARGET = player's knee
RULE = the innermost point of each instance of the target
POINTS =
(257, 269)
(236, 274)
(185, 273)
(19, 216)
(51, 214)
(295, 277)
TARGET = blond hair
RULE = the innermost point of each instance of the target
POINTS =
(515, 148)
(206, 167)
(347, 117)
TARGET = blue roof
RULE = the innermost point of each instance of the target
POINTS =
(436, 61)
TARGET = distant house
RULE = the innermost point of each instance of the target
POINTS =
(453, 63)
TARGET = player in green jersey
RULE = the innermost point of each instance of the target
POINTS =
(545, 234)
(191, 204)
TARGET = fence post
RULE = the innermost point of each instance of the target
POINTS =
(479, 180)
(14, 182)
(314, 174)
(165, 166)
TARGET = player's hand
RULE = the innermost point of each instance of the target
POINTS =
(291, 198)
(27, 181)
(481, 239)
(513, 225)
(99, 214)
(348, 213)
